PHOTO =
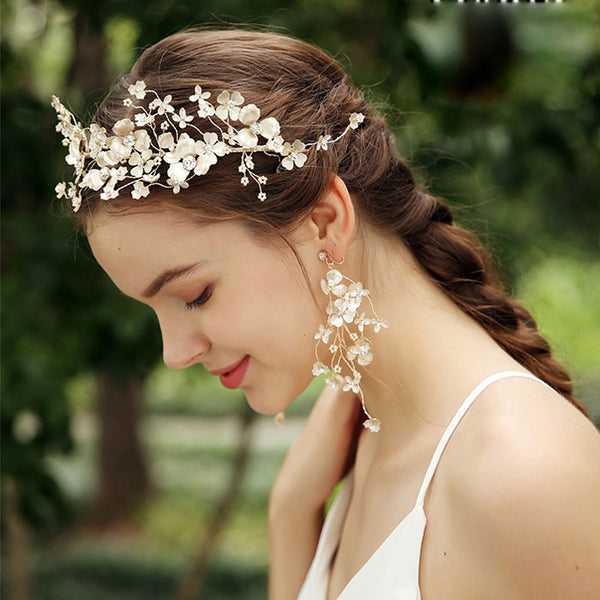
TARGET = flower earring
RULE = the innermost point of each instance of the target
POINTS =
(346, 346)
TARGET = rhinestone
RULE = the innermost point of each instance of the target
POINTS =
(104, 174)
(255, 128)
(188, 162)
(129, 140)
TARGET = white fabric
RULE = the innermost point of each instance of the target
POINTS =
(392, 571)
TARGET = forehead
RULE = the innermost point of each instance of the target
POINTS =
(135, 247)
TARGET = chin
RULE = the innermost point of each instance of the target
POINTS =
(263, 407)
(271, 405)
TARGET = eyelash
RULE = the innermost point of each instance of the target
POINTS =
(200, 300)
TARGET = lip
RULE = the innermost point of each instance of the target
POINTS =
(228, 369)
(233, 375)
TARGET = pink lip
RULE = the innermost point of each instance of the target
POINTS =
(233, 375)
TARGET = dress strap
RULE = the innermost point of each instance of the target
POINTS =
(456, 420)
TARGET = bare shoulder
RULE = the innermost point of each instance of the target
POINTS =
(524, 483)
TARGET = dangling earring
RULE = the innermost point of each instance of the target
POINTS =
(344, 301)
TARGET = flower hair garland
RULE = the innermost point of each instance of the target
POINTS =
(134, 152)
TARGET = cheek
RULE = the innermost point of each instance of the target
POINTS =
(272, 315)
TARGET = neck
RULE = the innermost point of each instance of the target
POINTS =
(428, 360)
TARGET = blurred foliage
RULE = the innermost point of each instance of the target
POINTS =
(120, 574)
(497, 107)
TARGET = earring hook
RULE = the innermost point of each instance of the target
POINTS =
(324, 256)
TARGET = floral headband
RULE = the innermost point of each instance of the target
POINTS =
(134, 153)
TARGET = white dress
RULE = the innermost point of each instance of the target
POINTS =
(392, 571)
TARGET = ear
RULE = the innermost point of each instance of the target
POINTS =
(333, 219)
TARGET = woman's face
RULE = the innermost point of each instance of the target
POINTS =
(221, 298)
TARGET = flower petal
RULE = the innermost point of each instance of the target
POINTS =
(249, 114)
(123, 127)
(269, 128)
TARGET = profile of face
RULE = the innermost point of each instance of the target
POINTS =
(237, 304)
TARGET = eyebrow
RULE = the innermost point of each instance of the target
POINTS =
(171, 275)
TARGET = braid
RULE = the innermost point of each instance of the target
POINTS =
(461, 266)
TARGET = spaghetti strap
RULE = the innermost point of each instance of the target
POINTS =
(456, 420)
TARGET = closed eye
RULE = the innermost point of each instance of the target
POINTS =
(201, 299)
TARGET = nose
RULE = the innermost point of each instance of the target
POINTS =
(183, 346)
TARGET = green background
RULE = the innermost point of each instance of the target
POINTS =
(498, 110)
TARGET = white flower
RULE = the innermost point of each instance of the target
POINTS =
(361, 351)
(244, 181)
(276, 143)
(163, 106)
(205, 109)
(294, 155)
(97, 140)
(262, 196)
(354, 295)
(267, 128)
(139, 190)
(372, 424)
(142, 140)
(322, 143)
(182, 118)
(94, 179)
(199, 95)
(141, 163)
(246, 139)
(249, 114)
(335, 381)
(361, 321)
(127, 102)
(185, 146)
(203, 163)
(379, 325)
(177, 174)
(117, 175)
(210, 148)
(352, 383)
(333, 283)
(142, 119)
(109, 193)
(61, 190)
(356, 119)
(323, 334)
(339, 312)
(74, 157)
(138, 90)
(123, 127)
(229, 105)
(166, 140)
(319, 369)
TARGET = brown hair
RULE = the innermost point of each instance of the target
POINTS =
(310, 95)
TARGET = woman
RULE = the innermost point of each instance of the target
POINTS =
(244, 189)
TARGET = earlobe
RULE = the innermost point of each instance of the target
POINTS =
(333, 218)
